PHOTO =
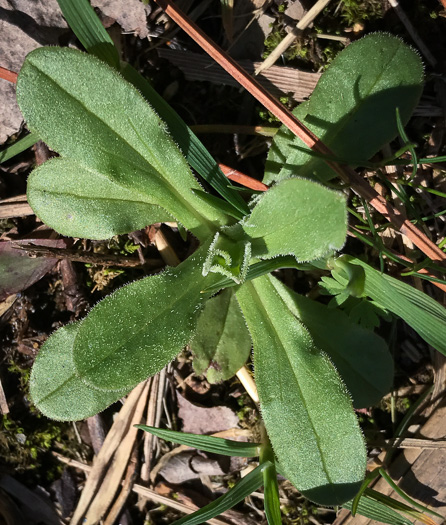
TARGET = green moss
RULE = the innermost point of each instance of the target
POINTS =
(357, 11)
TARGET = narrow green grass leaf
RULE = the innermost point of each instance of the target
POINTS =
(56, 389)
(134, 332)
(352, 109)
(221, 344)
(291, 219)
(246, 486)
(18, 147)
(421, 312)
(271, 487)
(405, 496)
(360, 356)
(215, 445)
(392, 503)
(378, 511)
(111, 131)
(79, 202)
(406, 140)
(86, 25)
(219, 203)
(305, 406)
(370, 476)
(196, 154)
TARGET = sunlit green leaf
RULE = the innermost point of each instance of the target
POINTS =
(56, 389)
(291, 219)
(305, 406)
(421, 312)
(378, 511)
(271, 487)
(79, 202)
(111, 131)
(134, 332)
(222, 343)
(18, 147)
(352, 108)
(85, 23)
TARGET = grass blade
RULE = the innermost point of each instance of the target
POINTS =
(19, 145)
(215, 445)
(194, 151)
(378, 511)
(89, 30)
(271, 490)
(244, 488)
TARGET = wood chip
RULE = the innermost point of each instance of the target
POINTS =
(278, 80)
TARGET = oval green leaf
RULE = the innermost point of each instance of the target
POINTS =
(78, 202)
(305, 406)
(222, 342)
(87, 112)
(134, 332)
(54, 386)
(353, 107)
(291, 219)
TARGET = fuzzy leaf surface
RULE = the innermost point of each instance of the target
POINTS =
(75, 200)
(352, 109)
(222, 342)
(84, 110)
(360, 356)
(54, 386)
(305, 406)
(291, 219)
(134, 332)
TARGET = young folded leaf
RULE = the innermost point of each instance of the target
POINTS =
(134, 332)
(291, 219)
(222, 342)
(88, 113)
(305, 406)
(360, 356)
(352, 108)
(56, 389)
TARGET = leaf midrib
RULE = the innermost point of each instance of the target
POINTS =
(157, 173)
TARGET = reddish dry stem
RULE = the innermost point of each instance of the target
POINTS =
(347, 174)
(8, 75)
(241, 178)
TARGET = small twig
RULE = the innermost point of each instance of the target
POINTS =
(241, 178)
(4, 408)
(247, 381)
(8, 75)
(346, 173)
(127, 484)
(90, 258)
(413, 32)
(139, 489)
(291, 37)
